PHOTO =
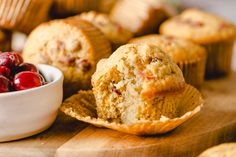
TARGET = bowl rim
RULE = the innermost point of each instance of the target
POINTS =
(56, 72)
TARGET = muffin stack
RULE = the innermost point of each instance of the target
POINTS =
(146, 85)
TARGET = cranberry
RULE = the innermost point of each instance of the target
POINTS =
(86, 66)
(10, 59)
(4, 84)
(27, 79)
(5, 71)
(26, 67)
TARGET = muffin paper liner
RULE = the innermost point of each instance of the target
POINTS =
(140, 17)
(194, 71)
(219, 58)
(82, 106)
(23, 15)
(68, 7)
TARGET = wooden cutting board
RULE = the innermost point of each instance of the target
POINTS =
(216, 123)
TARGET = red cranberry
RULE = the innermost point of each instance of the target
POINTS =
(10, 59)
(86, 66)
(5, 71)
(26, 67)
(4, 84)
(26, 80)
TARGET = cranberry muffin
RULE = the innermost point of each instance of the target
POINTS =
(190, 57)
(141, 17)
(115, 33)
(214, 33)
(74, 46)
(137, 90)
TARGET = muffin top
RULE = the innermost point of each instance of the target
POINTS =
(153, 72)
(73, 46)
(222, 150)
(180, 50)
(113, 31)
(199, 26)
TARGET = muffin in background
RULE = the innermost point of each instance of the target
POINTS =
(222, 150)
(214, 33)
(74, 46)
(5, 40)
(190, 57)
(23, 15)
(115, 33)
(142, 16)
(65, 8)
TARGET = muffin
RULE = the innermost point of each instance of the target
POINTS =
(74, 46)
(214, 33)
(65, 8)
(23, 15)
(222, 150)
(5, 41)
(138, 90)
(105, 6)
(116, 34)
(141, 17)
(190, 57)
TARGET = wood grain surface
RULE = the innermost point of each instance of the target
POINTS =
(216, 123)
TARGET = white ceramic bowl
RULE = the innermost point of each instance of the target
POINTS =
(28, 112)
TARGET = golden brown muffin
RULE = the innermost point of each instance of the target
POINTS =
(23, 15)
(222, 150)
(136, 74)
(5, 40)
(116, 34)
(142, 16)
(138, 90)
(74, 46)
(64, 8)
(214, 33)
(189, 56)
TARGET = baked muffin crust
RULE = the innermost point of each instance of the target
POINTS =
(74, 46)
(131, 79)
(199, 26)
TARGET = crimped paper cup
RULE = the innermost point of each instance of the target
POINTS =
(194, 72)
(5, 41)
(140, 17)
(23, 15)
(63, 8)
(219, 58)
(83, 107)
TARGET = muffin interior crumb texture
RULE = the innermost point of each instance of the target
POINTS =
(137, 82)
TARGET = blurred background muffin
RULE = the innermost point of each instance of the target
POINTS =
(115, 33)
(143, 16)
(5, 40)
(214, 33)
(74, 46)
(190, 57)
(23, 15)
(65, 8)
(222, 150)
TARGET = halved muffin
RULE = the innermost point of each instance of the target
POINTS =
(137, 90)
